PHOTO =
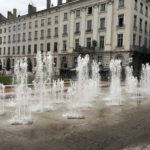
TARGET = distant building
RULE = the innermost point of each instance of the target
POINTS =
(104, 29)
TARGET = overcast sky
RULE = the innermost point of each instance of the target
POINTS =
(22, 5)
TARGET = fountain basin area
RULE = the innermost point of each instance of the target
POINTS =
(103, 128)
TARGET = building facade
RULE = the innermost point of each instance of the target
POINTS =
(104, 29)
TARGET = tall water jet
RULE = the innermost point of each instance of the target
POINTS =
(131, 81)
(42, 82)
(22, 94)
(2, 98)
(145, 78)
(115, 85)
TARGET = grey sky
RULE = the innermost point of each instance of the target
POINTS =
(22, 5)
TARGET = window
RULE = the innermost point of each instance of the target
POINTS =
(64, 45)
(102, 23)
(36, 23)
(135, 20)
(30, 25)
(29, 49)
(4, 50)
(19, 27)
(8, 51)
(55, 46)
(29, 36)
(77, 13)
(1, 31)
(65, 29)
(42, 47)
(42, 34)
(120, 40)
(146, 11)
(48, 33)
(101, 42)
(24, 36)
(77, 27)
(89, 25)
(134, 39)
(135, 6)
(141, 7)
(145, 42)
(77, 44)
(141, 21)
(18, 37)
(49, 21)
(56, 19)
(24, 26)
(18, 50)
(36, 35)
(146, 27)
(0, 40)
(121, 3)
(23, 49)
(9, 29)
(88, 43)
(120, 20)
(0, 51)
(14, 38)
(103, 7)
(13, 52)
(140, 41)
(65, 16)
(14, 28)
(35, 48)
(9, 39)
(56, 32)
(90, 11)
(42, 22)
(48, 47)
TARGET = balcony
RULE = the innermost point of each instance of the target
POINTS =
(77, 32)
(142, 50)
(65, 34)
(89, 31)
(121, 26)
(102, 29)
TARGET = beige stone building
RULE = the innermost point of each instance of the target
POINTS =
(104, 29)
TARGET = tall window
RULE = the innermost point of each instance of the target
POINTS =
(42, 34)
(102, 23)
(36, 23)
(77, 27)
(146, 11)
(121, 3)
(140, 41)
(141, 21)
(23, 49)
(49, 21)
(48, 47)
(64, 45)
(89, 25)
(134, 39)
(55, 46)
(35, 48)
(135, 22)
(56, 32)
(65, 29)
(103, 7)
(18, 52)
(29, 36)
(89, 10)
(141, 7)
(56, 19)
(77, 13)
(65, 16)
(145, 42)
(77, 43)
(29, 49)
(121, 20)
(120, 40)
(42, 22)
(101, 42)
(48, 33)
(145, 26)
(88, 43)
(135, 5)
(36, 35)
(24, 36)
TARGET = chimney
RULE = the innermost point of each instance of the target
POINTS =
(59, 2)
(48, 4)
(31, 9)
(9, 15)
(15, 13)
